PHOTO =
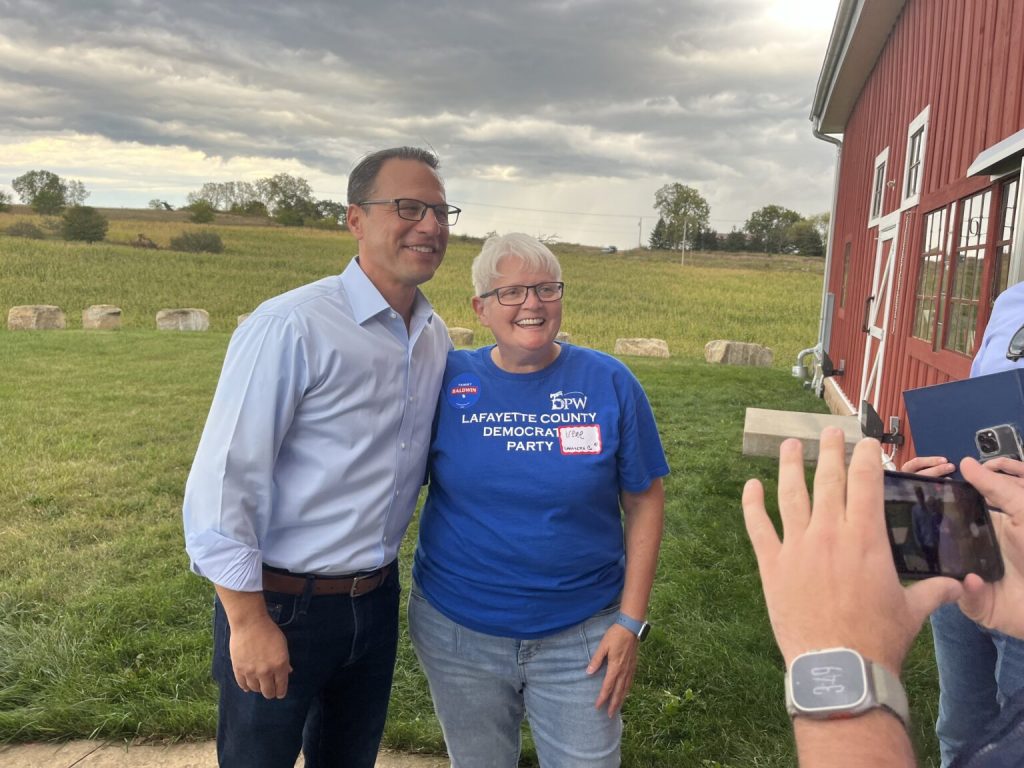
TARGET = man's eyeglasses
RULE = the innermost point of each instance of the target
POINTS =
(1015, 351)
(514, 295)
(416, 210)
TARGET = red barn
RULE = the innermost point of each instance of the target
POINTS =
(923, 99)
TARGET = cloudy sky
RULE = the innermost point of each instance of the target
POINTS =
(552, 117)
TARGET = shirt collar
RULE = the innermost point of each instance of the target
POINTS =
(366, 300)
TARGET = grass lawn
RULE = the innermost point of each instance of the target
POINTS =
(103, 632)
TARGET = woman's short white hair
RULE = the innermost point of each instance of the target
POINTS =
(536, 257)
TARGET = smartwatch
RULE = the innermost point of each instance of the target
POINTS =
(638, 628)
(838, 683)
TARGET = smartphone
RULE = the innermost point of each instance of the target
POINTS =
(1001, 440)
(939, 526)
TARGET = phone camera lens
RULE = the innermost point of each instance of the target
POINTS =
(988, 442)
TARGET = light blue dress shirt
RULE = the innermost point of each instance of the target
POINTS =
(1007, 317)
(316, 444)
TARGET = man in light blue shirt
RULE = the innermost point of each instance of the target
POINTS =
(306, 477)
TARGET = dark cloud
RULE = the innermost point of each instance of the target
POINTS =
(689, 90)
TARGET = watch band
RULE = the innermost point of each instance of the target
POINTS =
(881, 689)
(889, 692)
(637, 627)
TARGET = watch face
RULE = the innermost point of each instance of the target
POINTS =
(644, 631)
(828, 680)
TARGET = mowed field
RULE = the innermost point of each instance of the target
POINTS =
(104, 633)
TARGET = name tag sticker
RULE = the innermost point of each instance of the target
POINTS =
(580, 439)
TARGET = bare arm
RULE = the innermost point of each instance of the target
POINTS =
(259, 650)
(831, 582)
(873, 740)
(645, 518)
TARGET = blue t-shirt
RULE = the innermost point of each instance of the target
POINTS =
(521, 535)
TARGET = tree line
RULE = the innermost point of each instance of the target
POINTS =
(684, 214)
(287, 199)
(684, 217)
(49, 194)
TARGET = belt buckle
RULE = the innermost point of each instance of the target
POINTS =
(353, 591)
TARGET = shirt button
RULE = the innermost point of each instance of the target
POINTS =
(403, 446)
(396, 493)
(393, 315)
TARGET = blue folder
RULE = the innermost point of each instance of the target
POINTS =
(944, 418)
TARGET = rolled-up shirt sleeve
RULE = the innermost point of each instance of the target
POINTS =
(230, 493)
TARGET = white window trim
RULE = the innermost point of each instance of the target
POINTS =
(881, 161)
(918, 123)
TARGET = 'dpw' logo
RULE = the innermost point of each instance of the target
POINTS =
(564, 401)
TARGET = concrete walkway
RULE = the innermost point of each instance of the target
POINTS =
(203, 754)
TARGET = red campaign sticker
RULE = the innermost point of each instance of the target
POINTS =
(464, 390)
(580, 439)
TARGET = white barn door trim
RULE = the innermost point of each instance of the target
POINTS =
(876, 314)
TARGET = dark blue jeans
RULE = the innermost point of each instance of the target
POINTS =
(342, 652)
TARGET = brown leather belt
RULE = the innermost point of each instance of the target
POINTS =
(353, 586)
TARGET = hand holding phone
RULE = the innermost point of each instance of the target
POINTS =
(939, 527)
(1000, 440)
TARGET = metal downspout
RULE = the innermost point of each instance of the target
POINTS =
(818, 382)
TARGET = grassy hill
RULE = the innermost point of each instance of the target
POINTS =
(103, 632)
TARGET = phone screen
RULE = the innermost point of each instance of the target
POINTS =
(939, 527)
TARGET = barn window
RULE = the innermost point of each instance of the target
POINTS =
(968, 269)
(933, 259)
(1004, 238)
(878, 187)
(876, 198)
(917, 133)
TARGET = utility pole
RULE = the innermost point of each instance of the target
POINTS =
(682, 248)
(640, 232)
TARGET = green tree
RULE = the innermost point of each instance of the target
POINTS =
(684, 210)
(201, 211)
(75, 192)
(5, 201)
(659, 239)
(820, 222)
(769, 226)
(160, 205)
(803, 238)
(225, 195)
(250, 208)
(294, 212)
(45, 191)
(736, 240)
(327, 209)
(80, 222)
(706, 240)
(283, 189)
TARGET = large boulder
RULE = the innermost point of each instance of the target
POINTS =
(738, 353)
(461, 337)
(101, 317)
(36, 317)
(188, 319)
(641, 347)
